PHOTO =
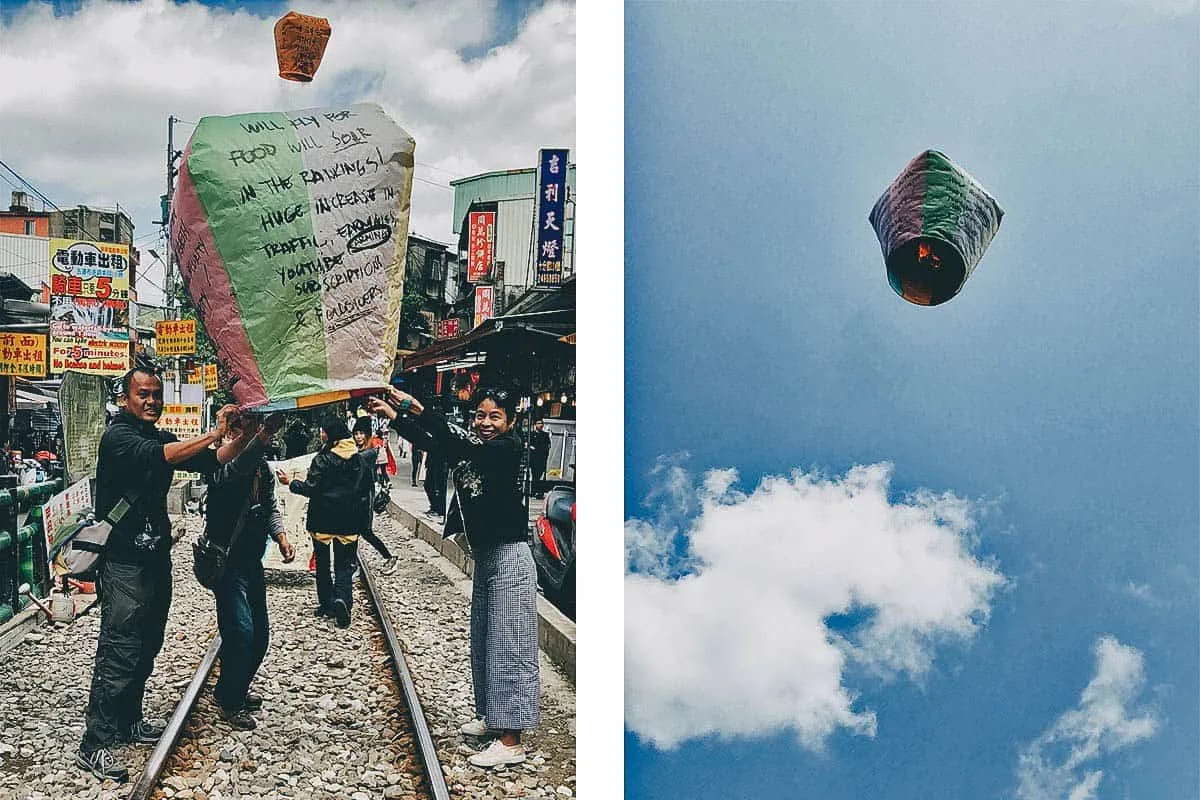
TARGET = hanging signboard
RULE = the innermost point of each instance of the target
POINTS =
(23, 354)
(446, 328)
(551, 205)
(182, 419)
(481, 241)
(210, 377)
(485, 297)
(81, 402)
(89, 269)
(89, 334)
(175, 337)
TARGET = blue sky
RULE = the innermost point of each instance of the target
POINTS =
(1059, 393)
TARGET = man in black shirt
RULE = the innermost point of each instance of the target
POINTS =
(136, 461)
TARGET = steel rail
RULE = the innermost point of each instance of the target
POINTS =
(429, 759)
(148, 781)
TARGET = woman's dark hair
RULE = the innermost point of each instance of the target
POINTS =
(335, 430)
(363, 424)
(503, 398)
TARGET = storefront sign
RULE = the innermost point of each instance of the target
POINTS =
(90, 335)
(89, 269)
(175, 337)
(484, 303)
(210, 377)
(23, 354)
(481, 241)
(62, 513)
(446, 329)
(551, 210)
(183, 420)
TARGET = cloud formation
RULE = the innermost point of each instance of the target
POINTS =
(85, 99)
(743, 611)
(1061, 762)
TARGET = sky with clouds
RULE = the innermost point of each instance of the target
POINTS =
(876, 550)
(88, 87)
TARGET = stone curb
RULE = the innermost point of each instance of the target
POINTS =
(556, 633)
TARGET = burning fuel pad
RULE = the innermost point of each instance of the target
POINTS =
(290, 230)
(933, 222)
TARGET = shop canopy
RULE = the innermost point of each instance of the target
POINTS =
(539, 331)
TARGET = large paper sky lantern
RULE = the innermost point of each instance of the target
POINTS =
(933, 222)
(290, 230)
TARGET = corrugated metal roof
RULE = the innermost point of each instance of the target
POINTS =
(491, 187)
(27, 257)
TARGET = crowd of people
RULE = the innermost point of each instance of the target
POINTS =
(478, 465)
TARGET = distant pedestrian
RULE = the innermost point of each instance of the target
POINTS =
(244, 489)
(338, 488)
(486, 471)
(539, 454)
(136, 462)
(296, 440)
(361, 431)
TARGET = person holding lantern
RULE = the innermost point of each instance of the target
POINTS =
(485, 466)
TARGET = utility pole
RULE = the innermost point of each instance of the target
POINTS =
(172, 312)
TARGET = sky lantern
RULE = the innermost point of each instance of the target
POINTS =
(290, 230)
(933, 222)
(299, 45)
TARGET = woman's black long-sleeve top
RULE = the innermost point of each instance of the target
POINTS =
(486, 475)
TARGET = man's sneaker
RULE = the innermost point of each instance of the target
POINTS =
(342, 613)
(324, 611)
(142, 732)
(238, 718)
(102, 764)
(498, 753)
(253, 702)
(389, 566)
(477, 727)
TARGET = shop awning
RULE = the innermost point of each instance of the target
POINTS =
(512, 331)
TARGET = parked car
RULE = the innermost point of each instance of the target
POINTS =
(554, 548)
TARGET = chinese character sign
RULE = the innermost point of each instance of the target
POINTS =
(551, 208)
(290, 228)
(175, 337)
(89, 334)
(89, 269)
(484, 303)
(481, 240)
(210, 377)
(23, 354)
(446, 328)
(181, 419)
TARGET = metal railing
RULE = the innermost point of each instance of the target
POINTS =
(23, 547)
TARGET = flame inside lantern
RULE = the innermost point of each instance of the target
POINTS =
(926, 271)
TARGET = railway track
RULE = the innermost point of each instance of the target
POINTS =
(165, 759)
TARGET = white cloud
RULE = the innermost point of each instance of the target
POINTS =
(1059, 763)
(85, 97)
(728, 596)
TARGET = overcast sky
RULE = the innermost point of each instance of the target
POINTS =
(877, 550)
(87, 88)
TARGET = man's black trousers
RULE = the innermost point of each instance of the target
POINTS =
(134, 602)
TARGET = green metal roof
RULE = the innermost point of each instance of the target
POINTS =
(491, 187)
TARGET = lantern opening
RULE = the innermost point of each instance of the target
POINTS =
(926, 271)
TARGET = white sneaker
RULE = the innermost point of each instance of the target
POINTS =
(498, 753)
(476, 727)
